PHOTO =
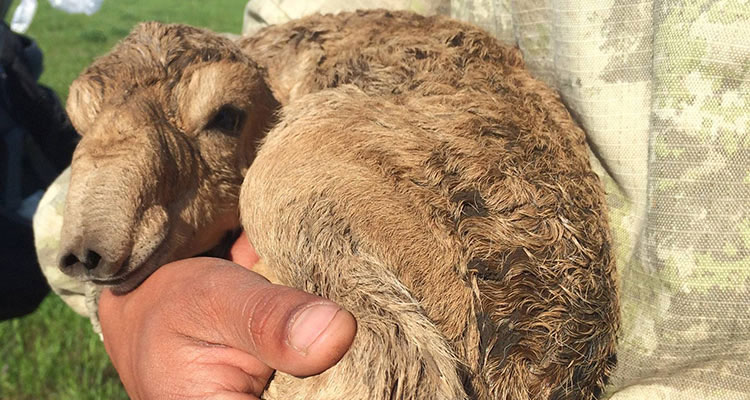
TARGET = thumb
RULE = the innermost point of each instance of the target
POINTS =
(289, 330)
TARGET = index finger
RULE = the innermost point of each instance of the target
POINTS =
(243, 253)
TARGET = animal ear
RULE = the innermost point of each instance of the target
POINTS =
(84, 103)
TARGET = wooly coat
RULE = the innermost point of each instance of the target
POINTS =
(408, 168)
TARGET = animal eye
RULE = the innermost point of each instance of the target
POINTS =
(228, 119)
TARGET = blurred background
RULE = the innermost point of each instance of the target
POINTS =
(52, 353)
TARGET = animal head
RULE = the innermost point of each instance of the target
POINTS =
(169, 121)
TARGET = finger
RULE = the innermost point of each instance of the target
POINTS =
(287, 329)
(243, 252)
(227, 368)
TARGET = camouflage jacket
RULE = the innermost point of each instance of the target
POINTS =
(663, 92)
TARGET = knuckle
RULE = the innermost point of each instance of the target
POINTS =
(263, 312)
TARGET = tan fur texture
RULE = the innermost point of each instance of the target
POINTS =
(417, 175)
(151, 180)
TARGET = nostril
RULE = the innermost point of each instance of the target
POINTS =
(69, 260)
(92, 260)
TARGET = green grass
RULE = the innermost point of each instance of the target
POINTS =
(53, 354)
(70, 42)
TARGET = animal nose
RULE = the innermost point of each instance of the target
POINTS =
(86, 263)
(90, 261)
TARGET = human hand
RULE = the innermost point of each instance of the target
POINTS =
(209, 328)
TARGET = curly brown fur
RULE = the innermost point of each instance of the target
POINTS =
(418, 175)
